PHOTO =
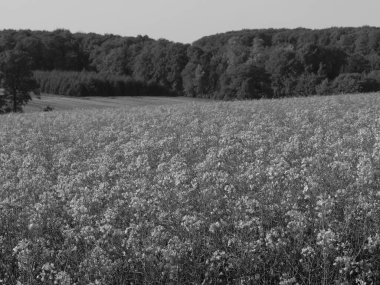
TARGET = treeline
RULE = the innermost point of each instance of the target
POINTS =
(281, 63)
(73, 83)
(243, 64)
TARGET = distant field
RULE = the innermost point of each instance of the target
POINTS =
(58, 102)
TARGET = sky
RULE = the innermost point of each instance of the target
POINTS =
(184, 21)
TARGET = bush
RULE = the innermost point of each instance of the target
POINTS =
(48, 108)
(354, 83)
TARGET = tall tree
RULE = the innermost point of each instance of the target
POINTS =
(16, 80)
(246, 81)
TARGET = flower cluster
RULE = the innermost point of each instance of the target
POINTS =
(267, 192)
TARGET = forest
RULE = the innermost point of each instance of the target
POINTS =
(247, 64)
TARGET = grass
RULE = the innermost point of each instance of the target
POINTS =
(64, 103)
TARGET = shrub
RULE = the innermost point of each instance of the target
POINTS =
(354, 83)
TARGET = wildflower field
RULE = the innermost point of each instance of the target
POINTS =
(266, 192)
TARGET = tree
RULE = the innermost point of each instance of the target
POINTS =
(195, 75)
(354, 83)
(357, 63)
(308, 84)
(322, 60)
(162, 62)
(16, 80)
(285, 68)
(246, 81)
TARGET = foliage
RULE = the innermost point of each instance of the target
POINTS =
(353, 83)
(246, 82)
(267, 192)
(16, 79)
(83, 83)
(293, 62)
(162, 62)
(298, 60)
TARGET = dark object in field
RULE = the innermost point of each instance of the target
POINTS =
(48, 108)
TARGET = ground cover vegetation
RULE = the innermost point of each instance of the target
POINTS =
(245, 64)
(263, 192)
(65, 103)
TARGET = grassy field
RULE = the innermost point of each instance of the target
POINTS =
(59, 103)
(255, 192)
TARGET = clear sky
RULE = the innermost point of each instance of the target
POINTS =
(184, 20)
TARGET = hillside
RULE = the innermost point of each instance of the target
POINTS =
(245, 64)
(262, 192)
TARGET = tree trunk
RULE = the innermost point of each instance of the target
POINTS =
(14, 100)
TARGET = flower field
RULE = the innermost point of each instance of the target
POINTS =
(266, 192)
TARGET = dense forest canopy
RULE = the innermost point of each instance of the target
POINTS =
(242, 64)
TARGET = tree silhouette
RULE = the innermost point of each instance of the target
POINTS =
(17, 80)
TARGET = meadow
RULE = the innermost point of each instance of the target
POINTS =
(253, 192)
(65, 103)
